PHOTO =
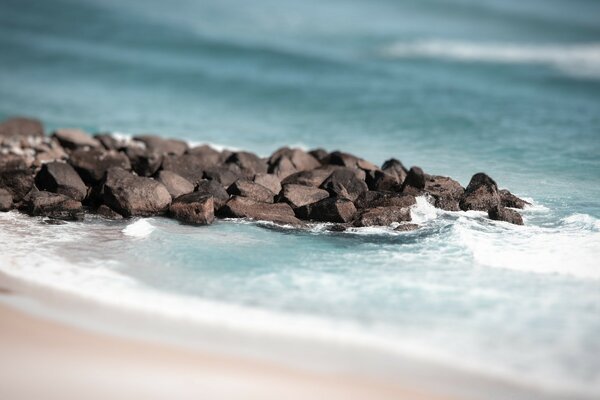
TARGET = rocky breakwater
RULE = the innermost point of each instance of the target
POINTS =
(70, 173)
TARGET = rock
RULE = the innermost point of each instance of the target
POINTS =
(250, 164)
(18, 182)
(243, 207)
(499, 213)
(156, 144)
(21, 126)
(52, 152)
(372, 199)
(382, 216)
(246, 188)
(92, 164)
(299, 195)
(319, 154)
(343, 159)
(11, 162)
(74, 138)
(343, 183)
(59, 177)
(314, 178)
(214, 189)
(6, 200)
(52, 205)
(209, 155)
(224, 174)
(282, 168)
(286, 161)
(406, 227)
(507, 199)
(269, 181)
(383, 181)
(194, 208)
(328, 210)
(131, 195)
(338, 227)
(481, 194)
(190, 166)
(446, 191)
(415, 179)
(108, 213)
(395, 167)
(109, 142)
(144, 162)
(175, 184)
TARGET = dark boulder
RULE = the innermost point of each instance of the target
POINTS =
(243, 207)
(286, 161)
(343, 183)
(372, 199)
(246, 188)
(175, 184)
(300, 195)
(224, 174)
(395, 168)
(319, 154)
(143, 161)
(269, 181)
(328, 210)
(507, 199)
(6, 200)
(92, 164)
(415, 179)
(446, 192)
(51, 151)
(52, 205)
(406, 227)
(59, 177)
(214, 189)
(17, 181)
(158, 145)
(21, 126)
(314, 178)
(109, 142)
(383, 181)
(382, 216)
(209, 155)
(499, 213)
(108, 213)
(70, 138)
(342, 159)
(250, 164)
(190, 166)
(131, 195)
(481, 194)
(193, 208)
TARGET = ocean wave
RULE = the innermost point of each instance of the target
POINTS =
(580, 60)
(139, 229)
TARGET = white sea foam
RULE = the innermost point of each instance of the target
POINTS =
(582, 60)
(139, 229)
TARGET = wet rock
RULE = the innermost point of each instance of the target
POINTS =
(21, 126)
(414, 179)
(406, 227)
(500, 213)
(372, 199)
(175, 184)
(224, 174)
(395, 168)
(193, 208)
(59, 177)
(328, 210)
(18, 182)
(161, 146)
(131, 195)
(507, 199)
(92, 164)
(481, 194)
(300, 195)
(214, 189)
(446, 192)
(246, 188)
(250, 164)
(269, 181)
(6, 200)
(243, 207)
(143, 161)
(52, 205)
(314, 178)
(108, 213)
(343, 183)
(70, 138)
(190, 166)
(382, 216)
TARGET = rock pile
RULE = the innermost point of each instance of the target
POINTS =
(70, 173)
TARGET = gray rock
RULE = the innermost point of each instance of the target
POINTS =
(175, 184)
(243, 207)
(250, 164)
(328, 210)
(343, 183)
(507, 199)
(158, 145)
(143, 161)
(17, 182)
(92, 164)
(52, 205)
(446, 191)
(59, 177)
(372, 199)
(499, 213)
(224, 174)
(108, 213)
(481, 194)
(214, 189)
(252, 190)
(382, 216)
(314, 178)
(193, 208)
(406, 227)
(71, 138)
(269, 181)
(6, 200)
(300, 195)
(190, 166)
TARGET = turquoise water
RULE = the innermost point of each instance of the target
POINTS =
(511, 88)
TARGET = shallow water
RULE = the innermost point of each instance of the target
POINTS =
(505, 87)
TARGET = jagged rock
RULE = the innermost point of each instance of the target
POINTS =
(75, 138)
(314, 178)
(159, 145)
(131, 195)
(372, 199)
(21, 126)
(190, 166)
(108, 213)
(175, 184)
(109, 142)
(319, 154)
(52, 152)
(507, 199)
(243, 207)
(395, 167)
(300, 195)
(208, 154)
(286, 161)
(143, 161)
(481, 194)
(343, 159)
(224, 174)
(382, 216)
(52, 205)
(246, 188)
(343, 183)
(193, 208)
(338, 227)
(446, 191)
(59, 177)
(250, 164)
(414, 179)
(18, 182)
(92, 164)
(406, 227)
(269, 181)
(214, 189)
(499, 213)
(6, 200)
(383, 181)
(328, 210)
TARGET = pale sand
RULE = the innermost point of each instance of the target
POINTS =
(46, 359)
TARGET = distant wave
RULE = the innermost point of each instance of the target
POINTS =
(581, 60)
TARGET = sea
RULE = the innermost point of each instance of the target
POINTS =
(506, 87)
